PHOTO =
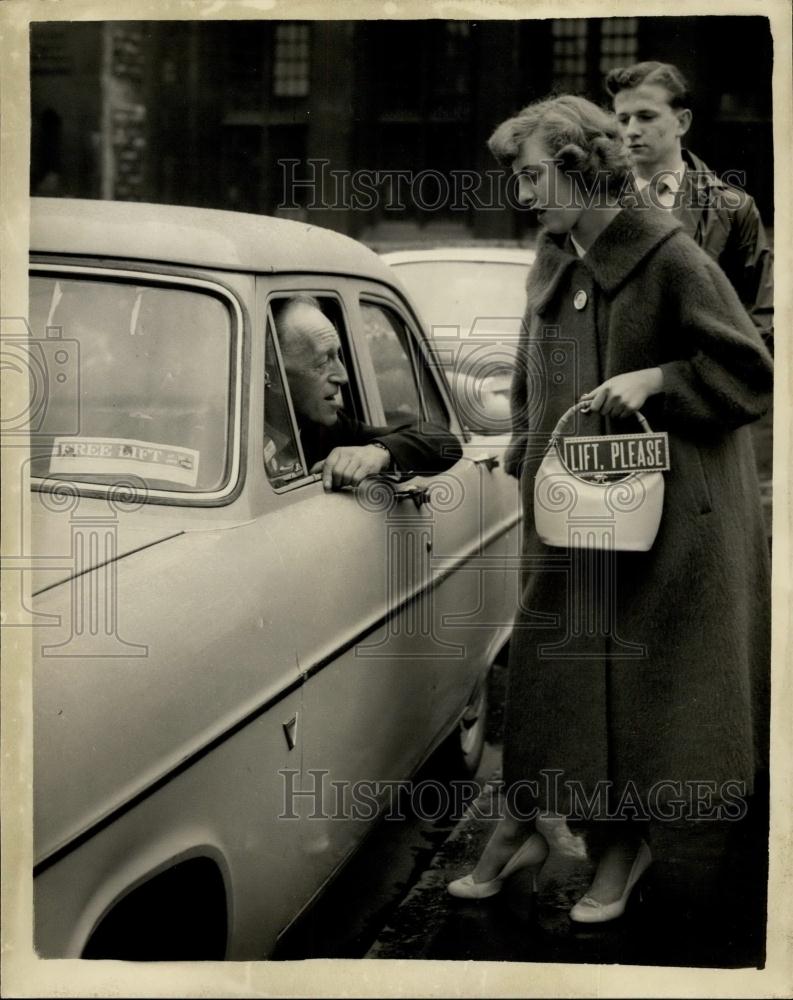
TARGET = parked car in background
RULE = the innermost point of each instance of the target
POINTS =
(473, 300)
(223, 661)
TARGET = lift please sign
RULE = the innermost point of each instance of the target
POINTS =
(617, 454)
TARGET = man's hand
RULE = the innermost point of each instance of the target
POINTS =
(350, 466)
(623, 395)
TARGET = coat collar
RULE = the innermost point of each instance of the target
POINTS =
(616, 253)
(551, 262)
(622, 246)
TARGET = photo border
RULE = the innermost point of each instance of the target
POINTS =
(24, 974)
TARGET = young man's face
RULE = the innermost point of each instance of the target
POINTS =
(545, 188)
(651, 129)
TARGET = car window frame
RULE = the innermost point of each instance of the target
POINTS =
(239, 325)
(422, 349)
(321, 287)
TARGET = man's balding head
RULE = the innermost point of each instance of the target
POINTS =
(311, 348)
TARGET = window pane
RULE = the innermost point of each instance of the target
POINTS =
(619, 42)
(393, 353)
(280, 451)
(395, 376)
(139, 383)
(291, 61)
(569, 54)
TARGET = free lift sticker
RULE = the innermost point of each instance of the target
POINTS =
(120, 456)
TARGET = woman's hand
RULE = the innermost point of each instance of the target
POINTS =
(624, 394)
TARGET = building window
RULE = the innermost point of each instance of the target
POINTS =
(291, 62)
(451, 67)
(570, 54)
(619, 42)
(584, 50)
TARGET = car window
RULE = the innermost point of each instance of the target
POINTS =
(283, 457)
(283, 449)
(396, 359)
(138, 383)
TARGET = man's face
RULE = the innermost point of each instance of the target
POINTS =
(543, 187)
(650, 128)
(311, 351)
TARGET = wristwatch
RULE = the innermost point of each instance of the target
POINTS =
(379, 444)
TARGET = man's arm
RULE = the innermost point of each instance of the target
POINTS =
(417, 449)
(412, 449)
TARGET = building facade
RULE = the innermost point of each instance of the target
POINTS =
(373, 128)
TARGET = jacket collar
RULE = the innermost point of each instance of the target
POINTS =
(698, 173)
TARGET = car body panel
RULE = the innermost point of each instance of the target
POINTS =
(200, 237)
(263, 860)
(161, 659)
(52, 541)
(480, 254)
(195, 664)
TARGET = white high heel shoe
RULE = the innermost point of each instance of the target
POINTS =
(589, 911)
(531, 853)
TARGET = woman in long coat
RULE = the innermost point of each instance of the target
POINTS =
(634, 677)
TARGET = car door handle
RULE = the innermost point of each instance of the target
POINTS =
(490, 462)
(418, 494)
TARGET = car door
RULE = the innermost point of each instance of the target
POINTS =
(356, 564)
(468, 521)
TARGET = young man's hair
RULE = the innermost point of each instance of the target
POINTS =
(582, 138)
(662, 74)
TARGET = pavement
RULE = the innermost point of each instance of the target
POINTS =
(702, 906)
(680, 927)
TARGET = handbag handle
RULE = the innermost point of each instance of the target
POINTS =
(583, 406)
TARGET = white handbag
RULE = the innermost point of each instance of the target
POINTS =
(597, 509)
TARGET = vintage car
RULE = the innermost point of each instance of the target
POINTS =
(472, 299)
(232, 666)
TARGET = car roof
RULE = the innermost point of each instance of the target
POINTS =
(480, 254)
(204, 237)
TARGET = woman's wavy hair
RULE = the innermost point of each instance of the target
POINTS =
(582, 138)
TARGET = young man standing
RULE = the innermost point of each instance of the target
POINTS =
(651, 103)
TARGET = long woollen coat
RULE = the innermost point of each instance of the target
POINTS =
(643, 670)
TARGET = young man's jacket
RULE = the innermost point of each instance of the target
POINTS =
(725, 222)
